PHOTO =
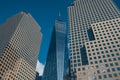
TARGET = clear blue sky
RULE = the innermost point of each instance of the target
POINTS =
(44, 11)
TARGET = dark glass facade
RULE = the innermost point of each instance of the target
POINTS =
(54, 67)
(66, 60)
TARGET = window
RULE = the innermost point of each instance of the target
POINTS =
(74, 61)
(111, 64)
(78, 69)
(79, 64)
(94, 57)
(105, 76)
(98, 53)
(100, 61)
(106, 51)
(105, 48)
(99, 57)
(105, 60)
(90, 58)
(108, 55)
(118, 68)
(115, 75)
(78, 60)
(83, 68)
(118, 58)
(112, 54)
(117, 54)
(114, 59)
(89, 54)
(113, 69)
(103, 56)
(110, 75)
(108, 70)
(75, 65)
(98, 71)
(96, 62)
(116, 64)
(99, 77)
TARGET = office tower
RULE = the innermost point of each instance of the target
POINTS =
(66, 60)
(54, 67)
(38, 77)
(83, 14)
(20, 40)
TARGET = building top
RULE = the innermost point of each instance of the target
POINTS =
(59, 17)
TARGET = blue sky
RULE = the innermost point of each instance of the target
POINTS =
(44, 11)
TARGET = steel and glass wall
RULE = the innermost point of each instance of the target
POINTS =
(54, 67)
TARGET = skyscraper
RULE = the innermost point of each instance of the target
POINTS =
(83, 14)
(54, 67)
(20, 40)
(66, 59)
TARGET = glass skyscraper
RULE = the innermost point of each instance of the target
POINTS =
(66, 60)
(20, 40)
(54, 67)
(93, 38)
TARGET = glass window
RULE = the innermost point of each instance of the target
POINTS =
(112, 54)
(108, 55)
(78, 60)
(79, 64)
(78, 69)
(113, 69)
(99, 57)
(105, 60)
(111, 64)
(106, 51)
(106, 65)
(109, 60)
(115, 75)
(117, 54)
(118, 68)
(96, 62)
(100, 61)
(94, 57)
(118, 58)
(105, 76)
(83, 68)
(116, 64)
(99, 77)
(75, 65)
(114, 59)
(98, 71)
(108, 70)
(110, 75)
(98, 53)
(103, 56)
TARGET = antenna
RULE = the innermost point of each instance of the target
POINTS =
(59, 16)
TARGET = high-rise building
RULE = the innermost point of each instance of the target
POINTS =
(66, 60)
(93, 40)
(54, 67)
(20, 40)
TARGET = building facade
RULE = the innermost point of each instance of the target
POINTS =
(66, 60)
(83, 14)
(20, 40)
(54, 68)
